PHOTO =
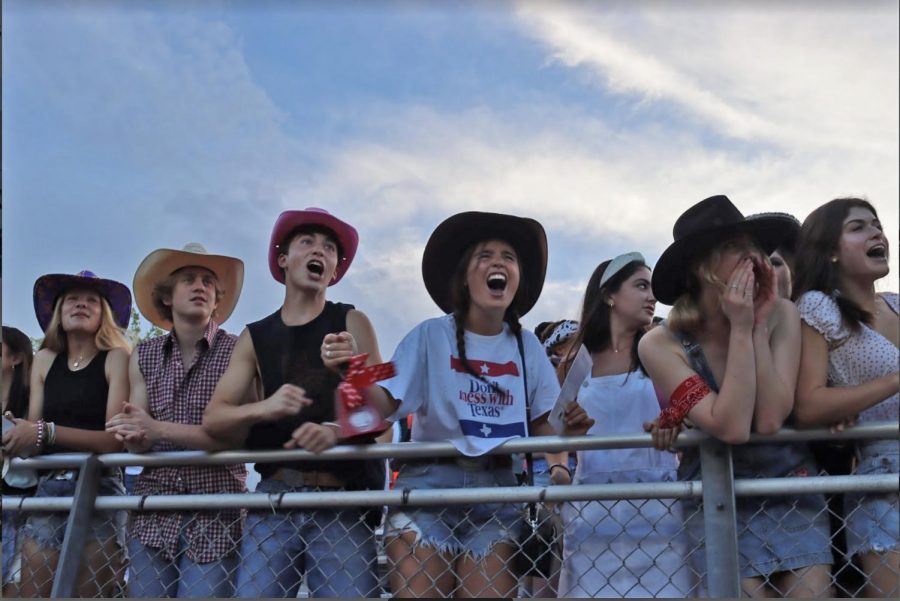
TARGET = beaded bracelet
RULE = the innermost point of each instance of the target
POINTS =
(39, 442)
(565, 467)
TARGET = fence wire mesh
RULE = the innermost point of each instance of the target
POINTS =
(789, 545)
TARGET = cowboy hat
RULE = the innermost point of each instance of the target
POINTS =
(791, 235)
(451, 238)
(163, 262)
(49, 287)
(288, 221)
(701, 228)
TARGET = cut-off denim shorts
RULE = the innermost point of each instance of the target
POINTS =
(48, 529)
(457, 529)
(775, 534)
(873, 519)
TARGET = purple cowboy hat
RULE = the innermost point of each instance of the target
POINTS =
(288, 221)
(49, 287)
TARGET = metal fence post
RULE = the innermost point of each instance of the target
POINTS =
(65, 583)
(719, 520)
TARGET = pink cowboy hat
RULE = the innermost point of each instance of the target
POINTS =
(288, 221)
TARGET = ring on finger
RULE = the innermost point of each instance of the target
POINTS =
(328, 354)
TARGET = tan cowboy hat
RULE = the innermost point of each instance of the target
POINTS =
(163, 262)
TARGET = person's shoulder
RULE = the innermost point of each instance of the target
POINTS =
(816, 301)
(117, 356)
(820, 311)
(660, 335)
(785, 310)
(44, 357)
(892, 299)
(152, 343)
(224, 336)
(531, 343)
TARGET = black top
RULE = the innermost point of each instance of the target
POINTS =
(292, 355)
(76, 399)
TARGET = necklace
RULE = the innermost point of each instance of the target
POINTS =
(80, 359)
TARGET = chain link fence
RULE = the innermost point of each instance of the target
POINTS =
(612, 539)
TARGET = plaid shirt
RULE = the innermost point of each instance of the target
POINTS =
(180, 395)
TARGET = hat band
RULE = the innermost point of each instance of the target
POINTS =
(617, 264)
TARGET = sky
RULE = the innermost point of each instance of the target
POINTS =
(132, 126)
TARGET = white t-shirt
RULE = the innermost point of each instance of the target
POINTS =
(450, 404)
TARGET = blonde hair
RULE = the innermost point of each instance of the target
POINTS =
(108, 336)
(686, 315)
(163, 290)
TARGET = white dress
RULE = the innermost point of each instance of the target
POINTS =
(623, 548)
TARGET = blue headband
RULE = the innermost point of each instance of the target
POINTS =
(616, 265)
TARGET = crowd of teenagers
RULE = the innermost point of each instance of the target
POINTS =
(772, 324)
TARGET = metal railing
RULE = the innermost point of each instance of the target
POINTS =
(717, 487)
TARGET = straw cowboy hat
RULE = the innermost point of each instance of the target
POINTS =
(163, 262)
(49, 287)
(701, 228)
(451, 238)
(288, 221)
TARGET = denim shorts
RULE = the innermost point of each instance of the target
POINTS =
(48, 529)
(775, 534)
(873, 519)
(11, 524)
(333, 548)
(458, 529)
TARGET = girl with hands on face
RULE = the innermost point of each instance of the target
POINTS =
(726, 361)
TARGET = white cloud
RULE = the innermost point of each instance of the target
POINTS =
(799, 111)
(812, 74)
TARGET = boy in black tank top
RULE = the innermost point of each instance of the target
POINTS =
(293, 359)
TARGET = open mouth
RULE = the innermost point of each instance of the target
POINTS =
(879, 251)
(315, 267)
(496, 282)
(198, 299)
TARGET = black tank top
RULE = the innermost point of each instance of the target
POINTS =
(76, 399)
(292, 355)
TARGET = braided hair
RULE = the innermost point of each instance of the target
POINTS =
(461, 301)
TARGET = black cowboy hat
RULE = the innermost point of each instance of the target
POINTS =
(791, 235)
(454, 235)
(702, 227)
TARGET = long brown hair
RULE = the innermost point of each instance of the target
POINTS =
(594, 329)
(820, 237)
(18, 343)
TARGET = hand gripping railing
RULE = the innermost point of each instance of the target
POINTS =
(717, 487)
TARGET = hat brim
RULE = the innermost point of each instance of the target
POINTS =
(288, 221)
(163, 262)
(454, 235)
(670, 275)
(49, 287)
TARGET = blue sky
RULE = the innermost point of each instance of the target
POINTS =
(135, 126)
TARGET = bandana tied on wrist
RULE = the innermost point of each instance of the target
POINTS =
(355, 415)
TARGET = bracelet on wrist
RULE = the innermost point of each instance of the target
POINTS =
(334, 426)
(41, 432)
(561, 466)
(51, 433)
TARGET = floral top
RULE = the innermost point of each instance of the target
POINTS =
(854, 357)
